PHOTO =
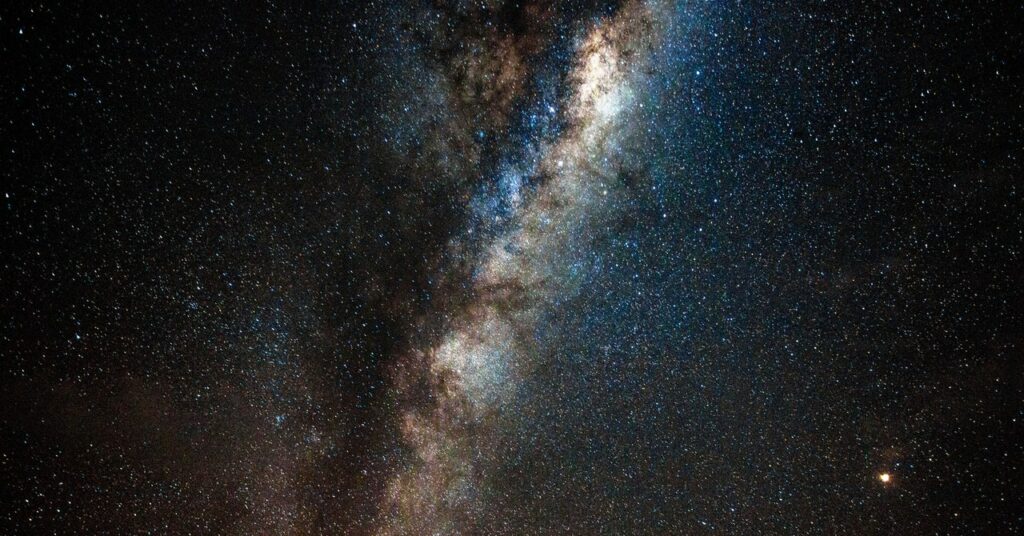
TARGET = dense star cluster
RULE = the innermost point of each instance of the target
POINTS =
(512, 267)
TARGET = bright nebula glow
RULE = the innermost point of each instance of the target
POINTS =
(478, 366)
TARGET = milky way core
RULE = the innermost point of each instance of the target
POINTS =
(476, 368)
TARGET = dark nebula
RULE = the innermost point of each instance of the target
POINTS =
(497, 267)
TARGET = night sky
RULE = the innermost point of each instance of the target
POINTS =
(495, 267)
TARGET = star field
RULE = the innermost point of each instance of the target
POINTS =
(512, 267)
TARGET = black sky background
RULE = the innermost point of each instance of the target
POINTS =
(214, 257)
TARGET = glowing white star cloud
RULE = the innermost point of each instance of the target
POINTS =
(476, 367)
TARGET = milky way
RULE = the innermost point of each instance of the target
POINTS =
(475, 369)
(507, 267)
